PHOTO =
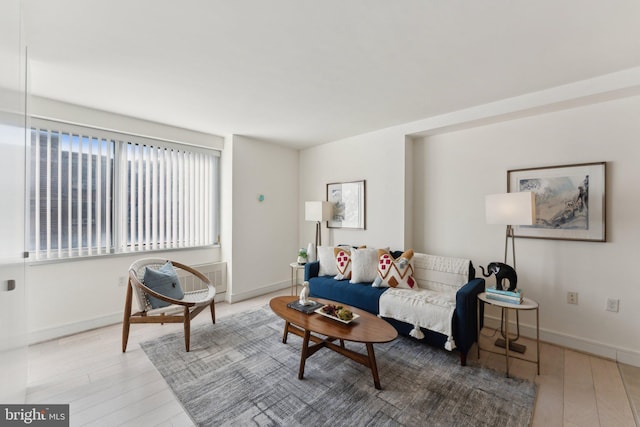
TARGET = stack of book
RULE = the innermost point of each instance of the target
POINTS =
(308, 309)
(511, 297)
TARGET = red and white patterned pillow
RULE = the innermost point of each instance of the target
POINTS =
(395, 273)
(343, 263)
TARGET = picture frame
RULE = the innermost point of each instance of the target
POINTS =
(348, 199)
(570, 201)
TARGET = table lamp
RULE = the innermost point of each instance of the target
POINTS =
(511, 209)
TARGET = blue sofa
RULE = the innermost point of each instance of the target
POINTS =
(366, 297)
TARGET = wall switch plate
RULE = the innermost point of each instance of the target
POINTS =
(572, 298)
(613, 304)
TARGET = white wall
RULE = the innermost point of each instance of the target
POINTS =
(378, 158)
(264, 235)
(458, 158)
(69, 296)
(455, 172)
(65, 297)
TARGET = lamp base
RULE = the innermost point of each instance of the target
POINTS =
(513, 346)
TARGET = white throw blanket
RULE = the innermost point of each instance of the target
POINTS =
(432, 305)
(431, 310)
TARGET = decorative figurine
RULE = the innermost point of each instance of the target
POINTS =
(502, 272)
(304, 294)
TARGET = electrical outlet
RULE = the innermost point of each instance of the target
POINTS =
(572, 298)
(612, 304)
(122, 281)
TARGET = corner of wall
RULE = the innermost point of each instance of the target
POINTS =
(408, 192)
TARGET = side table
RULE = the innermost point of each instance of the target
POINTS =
(527, 304)
(294, 276)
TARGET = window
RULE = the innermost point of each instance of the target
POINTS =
(95, 192)
(169, 201)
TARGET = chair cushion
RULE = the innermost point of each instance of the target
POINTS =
(163, 281)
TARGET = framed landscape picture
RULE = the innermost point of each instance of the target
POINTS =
(570, 201)
(348, 199)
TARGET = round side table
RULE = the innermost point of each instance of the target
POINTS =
(527, 304)
(294, 276)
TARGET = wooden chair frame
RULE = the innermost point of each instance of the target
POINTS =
(180, 311)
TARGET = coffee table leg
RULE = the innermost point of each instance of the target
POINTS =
(373, 366)
(286, 332)
(303, 353)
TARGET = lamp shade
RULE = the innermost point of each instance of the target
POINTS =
(511, 208)
(318, 211)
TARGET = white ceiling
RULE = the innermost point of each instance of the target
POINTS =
(305, 72)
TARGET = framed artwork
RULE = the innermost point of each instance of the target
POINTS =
(348, 199)
(570, 201)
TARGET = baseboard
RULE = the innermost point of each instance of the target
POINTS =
(56, 332)
(73, 328)
(241, 296)
(619, 354)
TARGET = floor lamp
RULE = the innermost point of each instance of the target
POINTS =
(318, 212)
(511, 209)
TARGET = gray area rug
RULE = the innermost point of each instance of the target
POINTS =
(238, 373)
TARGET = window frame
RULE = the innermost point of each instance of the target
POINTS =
(118, 206)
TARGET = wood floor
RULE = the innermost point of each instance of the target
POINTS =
(108, 388)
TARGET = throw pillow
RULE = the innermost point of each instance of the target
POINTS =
(343, 263)
(163, 281)
(395, 273)
(364, 265)
(327, 260)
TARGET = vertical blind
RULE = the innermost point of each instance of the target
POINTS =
(70, 194)
(95, 192)
(168, 200)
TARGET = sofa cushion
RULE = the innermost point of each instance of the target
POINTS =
(395, 273)
(359, 295)
(343, 263)
(327, 260)
(364, 265)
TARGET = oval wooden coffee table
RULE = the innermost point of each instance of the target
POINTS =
(368, 329)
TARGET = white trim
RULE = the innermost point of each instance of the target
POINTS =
(88, 117)
(619, 84)
(56, 332)
(101, 133)
(233, 298)
(619, 354)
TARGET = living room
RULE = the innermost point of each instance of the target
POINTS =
(426, 179)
